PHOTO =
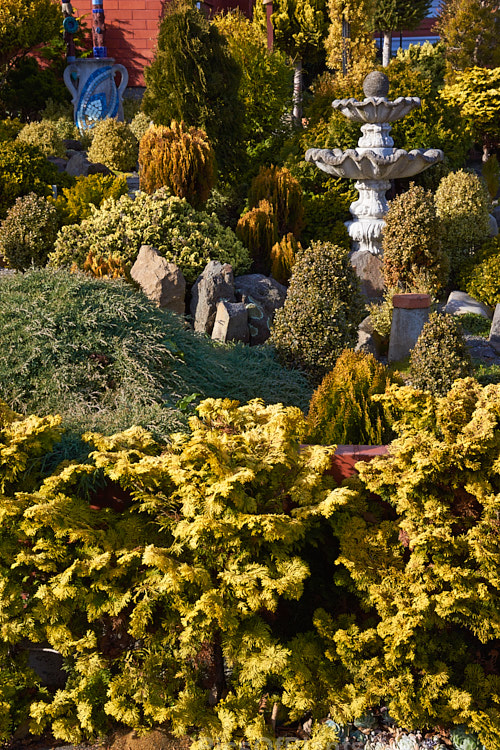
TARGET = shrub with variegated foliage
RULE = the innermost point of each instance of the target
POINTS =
(412, 244)
(322, 310)
(182, 235)
(462, 203)
(113, 144)
(45, 135)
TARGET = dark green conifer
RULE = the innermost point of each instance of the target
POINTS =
(193, 78)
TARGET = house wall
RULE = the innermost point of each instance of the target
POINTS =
(132, 29)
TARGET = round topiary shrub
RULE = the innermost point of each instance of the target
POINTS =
(114, 145)
(342, 410)
(28, 232)
(462, 203)
(278, 186)
(140, 124)
(483, 279)
(182, 235)
(322, 310)
(178, 158)
(45, 135)
(23, 169)
(440, 355)
(411, 241)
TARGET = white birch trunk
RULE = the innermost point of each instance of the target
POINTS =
(297, 92)
(386, 48)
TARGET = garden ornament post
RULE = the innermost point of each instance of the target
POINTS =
(91, 80)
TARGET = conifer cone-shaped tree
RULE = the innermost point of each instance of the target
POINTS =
(178, 158)
(193, 78)
(342, 410)
(278, 186)
(283, 255)
(258, 231)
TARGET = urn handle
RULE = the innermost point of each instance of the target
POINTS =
(68, 80)
(124, 78)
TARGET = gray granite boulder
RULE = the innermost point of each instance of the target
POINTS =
(162, 282)
(231, 322)
(494, 337)
(369, 270)
(367, 342)
(460, 303)
(262, 296)
(493, 226)
(215, 283)
(58, 162)
(78, 165)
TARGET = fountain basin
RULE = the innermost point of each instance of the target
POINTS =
(376, 108)
(366, 164)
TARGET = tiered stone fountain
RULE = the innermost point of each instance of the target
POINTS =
(373, 164)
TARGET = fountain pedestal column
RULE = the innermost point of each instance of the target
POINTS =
(373, 164)
(369, 210)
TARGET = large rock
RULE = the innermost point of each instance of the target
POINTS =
(215, 283)
(493, 226)
(460, 303)
(369, 270)
(369, 341)
(72, 144)
(231, 322)
(494, 337)
(262, 296)
(95, 167)
(162, 282)
(58, 162)
(79, 165)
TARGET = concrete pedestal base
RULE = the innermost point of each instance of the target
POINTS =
(369, 269)
(411, 312)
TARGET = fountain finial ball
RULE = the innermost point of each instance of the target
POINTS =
(376, 84)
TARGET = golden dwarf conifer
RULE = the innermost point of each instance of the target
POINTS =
(283, 257)
(178, 158)
(342, 409)
(421, 549)
(164, 612)
(257, 229)
(278, 186)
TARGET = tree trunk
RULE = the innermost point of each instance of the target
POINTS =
(297, 93)
(386, 48)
